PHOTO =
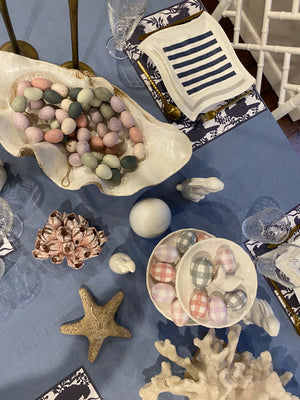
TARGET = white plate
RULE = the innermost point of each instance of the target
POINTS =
(244, 269)
(165, 308)
(167, 148)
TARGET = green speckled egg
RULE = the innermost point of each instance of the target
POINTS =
(103, 171)
(106, 111)
(73, 93)
(98, 155)
(75, 109)
(19, 104)
(54, 124)
(111, 161)
(33, 94)
(52, 96)
(86, 107)
(102, 93)
(95, 102)
(85, 95)
(129, 162)
(89, 160)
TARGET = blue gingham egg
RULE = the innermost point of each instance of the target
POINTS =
(185, 240)
(236, 300)
(201, 271)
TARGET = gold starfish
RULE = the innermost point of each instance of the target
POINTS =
(98, 322)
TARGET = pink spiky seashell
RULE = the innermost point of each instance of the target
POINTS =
(68, 236)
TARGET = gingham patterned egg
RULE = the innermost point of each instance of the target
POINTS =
(199, 304)
(235, 300)
(162, 292)
(166, 253)
(225, 257)
(202, 236)
(217, 310)
(162, 272)
(185, 240)
(201, 272)
(179, 316)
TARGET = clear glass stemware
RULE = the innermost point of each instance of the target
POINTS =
(124, 15)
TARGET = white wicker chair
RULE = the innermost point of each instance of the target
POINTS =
(288, 93)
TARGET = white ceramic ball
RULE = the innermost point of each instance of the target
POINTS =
(150, 217)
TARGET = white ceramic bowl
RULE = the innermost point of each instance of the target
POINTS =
(165, 308)
(167, 148)
(244, 269)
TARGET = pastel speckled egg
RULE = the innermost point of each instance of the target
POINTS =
(83, 134)
(114, 124)
(102, 93)
(199, 304)
(179, 316)
(41, 83)
(166, 253)
(22, 86)
(65, 104)
(102, 129)
(185, 240)
(127, 119)
(33, 94)
(81, 121)
(36, 105)
(46, 113)
(111, 161)
(61, 114)
(201, 271)
(95, 115)
(104, 172)
(82, 147)
(139, 151)
(162, 272)
(61, 89)
(136, 135)
(110, 139)
(19, 104)
(21, 121)
(236, 300)
(89, 160)
(53, 136)
(163, 292)
(106, 111)
(71, 146)
(85, 95)
(34, 134)
(68, 126)
(225, 257)
(96, 143)
(217, 310)
(75, 160)
(117, 104)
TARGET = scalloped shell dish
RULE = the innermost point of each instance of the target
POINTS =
(167, 148)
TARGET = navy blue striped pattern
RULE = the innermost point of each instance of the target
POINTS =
(199, 62)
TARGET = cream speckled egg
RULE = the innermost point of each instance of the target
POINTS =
(71, 146)
(61, 89)
(179, 316)
(163, 292)
(139, 151)
(68, 126)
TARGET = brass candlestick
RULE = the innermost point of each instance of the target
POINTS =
(14, 45)
(75, 63)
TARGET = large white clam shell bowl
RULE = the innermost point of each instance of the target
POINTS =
(167, 148)
(244, 269)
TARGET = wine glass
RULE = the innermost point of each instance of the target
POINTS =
(124, 15)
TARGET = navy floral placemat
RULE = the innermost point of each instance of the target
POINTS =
(287, 297)
(198, 133)
(78, 385)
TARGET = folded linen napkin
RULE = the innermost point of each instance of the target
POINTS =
(197, 64)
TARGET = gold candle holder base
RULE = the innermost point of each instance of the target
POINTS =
(25, 49)
(82, 67)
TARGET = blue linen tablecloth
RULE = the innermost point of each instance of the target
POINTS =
(254, 160)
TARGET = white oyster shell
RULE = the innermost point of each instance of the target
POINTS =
(167, 148)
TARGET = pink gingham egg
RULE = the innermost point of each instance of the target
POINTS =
(166, 253)
(225, 257)
(217, 309)
(199, 304)
(162, 292)
(162, 272)
(179, 316)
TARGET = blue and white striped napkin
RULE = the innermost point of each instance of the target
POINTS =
(197, 64)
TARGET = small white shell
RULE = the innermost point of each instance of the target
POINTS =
(121, 263)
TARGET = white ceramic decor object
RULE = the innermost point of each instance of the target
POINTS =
(3, 174)
(167, 149)
(195, 189)
(261, 314)
(121, 263)
(150, 217)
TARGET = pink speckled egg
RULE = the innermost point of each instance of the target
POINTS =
(82, 147)
(225, 257)
(75, 160)
(83, 135)
(127, 119)
(166, 253)
(96, 143)
(21, 121)
(199, 304)
(53, 136)
(36, 105)
(117, 104)
(162, 272)
(217, 310)
(61, 89)
(81, 121)
(46, 113)
(114, 124)
(34, 134)
(162, 292)
(68, 126)
(179, 316)
(110, 139)
(22, 86)
(95, 115)
(136, 135)
(60, 115)
(102, 129)
(41, 83)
